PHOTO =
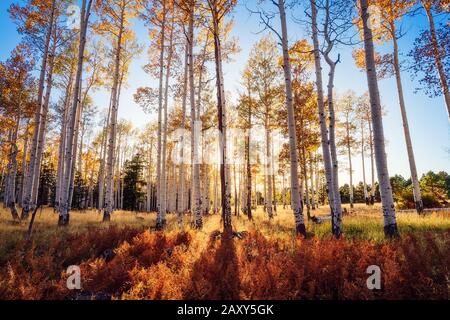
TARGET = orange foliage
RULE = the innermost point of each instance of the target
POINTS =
(154, 265)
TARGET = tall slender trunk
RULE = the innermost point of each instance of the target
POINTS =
(75, 139)
(109, 198)
(311, 178)
(437, 56)
(161, 218)
(349, 153)
(181, 199)
(390, 224)
(160, 108)
(12, 169)
(29, 183)
(222, 124)
(101, 174)
(295, 195)
(268, 167)
(24, 163)
(372, 165)
(274, 190)
(323, 124)
(317, 178)
(305, 178)
(195, 129)
(236, 204)
(249, 167)
(409, 147)
(62, 140)
(43, 124)
(64, 214)
(149, 179)
(337, 213)
(366, 195)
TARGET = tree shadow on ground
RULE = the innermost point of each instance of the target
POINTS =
(215, 275)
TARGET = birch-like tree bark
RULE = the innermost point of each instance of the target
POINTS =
(43, 122)
(311, 178)
(349, 154)
(323, 125)
(437, 55)
(62, 139)
(64, 213)
(390, 223)
(366, 195)
(161, 218)
(295, 192)
(24, 163)
(217, 16)
(248, 166)
(181, 198)
(12, 170)
(195, 128)
(109, 198)
(28, 205)
(409, 147)
(336, 221)
(160, 108)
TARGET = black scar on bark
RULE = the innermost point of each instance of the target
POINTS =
(160, 224)
(301, 230)
(63, 221)
(391, 231)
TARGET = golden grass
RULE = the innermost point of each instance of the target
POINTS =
(360, 223)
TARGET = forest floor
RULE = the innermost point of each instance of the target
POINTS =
(127, 259)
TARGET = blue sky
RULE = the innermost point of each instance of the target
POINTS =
(428, 119)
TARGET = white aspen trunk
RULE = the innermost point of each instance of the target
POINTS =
(160, 110)
(149, 179)
(43, 125)
(206, 203)
(24, 163)
(409, 147)
(366, 195)
(249, 167)
(28, 205)
(8, 172)
(305, 178)
(323, 125)
(311, 178)
(64, 214)
(215, 202)
(337, 216)
(317, 179)
(109, 198)
(181, 198)
(62, 141)
(295, 196)
(195, 130)
(349, 153)
(236, 209)
(390, 224)
(101, 176)
(437, 56)
(12, 169)
(222, 124)
(268, 167)
(372, 165)
(274, 190)
(265, 188)
(161, 218)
